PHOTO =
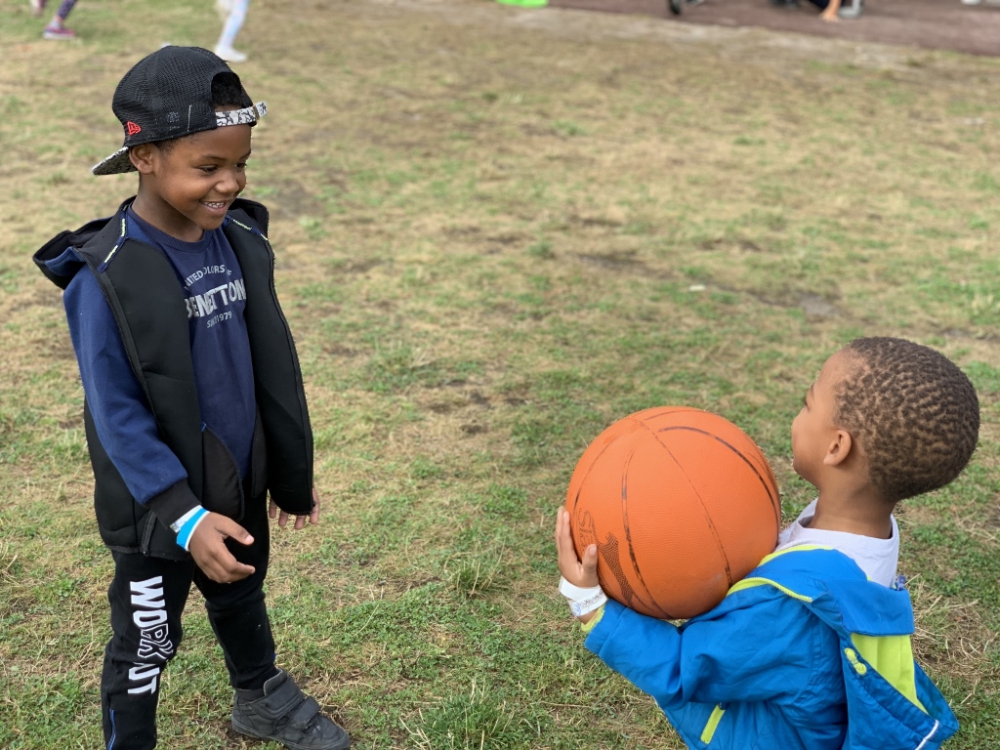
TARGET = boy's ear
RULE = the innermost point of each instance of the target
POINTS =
(143, 157)
(839, 449)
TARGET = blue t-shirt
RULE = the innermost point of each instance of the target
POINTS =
(215, 298)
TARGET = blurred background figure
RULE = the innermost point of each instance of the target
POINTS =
(232, 13)
(833, 10)
(677, 6)
(56, 28)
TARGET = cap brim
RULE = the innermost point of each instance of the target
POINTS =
(246, 116)
(117, 163)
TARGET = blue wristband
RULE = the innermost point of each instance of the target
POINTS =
(185, 531)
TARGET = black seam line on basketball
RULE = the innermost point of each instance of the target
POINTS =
(704, 510)
(583, 479)
(775, 503)
(628, 536)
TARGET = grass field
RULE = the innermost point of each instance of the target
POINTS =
(497, 232)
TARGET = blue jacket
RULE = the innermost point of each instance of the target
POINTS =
(805, 653)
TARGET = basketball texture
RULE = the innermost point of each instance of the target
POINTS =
(681, 504)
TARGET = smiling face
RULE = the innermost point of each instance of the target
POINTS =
(814, 430)
(186, 188)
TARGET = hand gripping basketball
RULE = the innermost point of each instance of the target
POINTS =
(579, 582)
(579, 573)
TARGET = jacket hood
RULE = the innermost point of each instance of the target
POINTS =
(834, 588)
(58, 260)
(842, 596)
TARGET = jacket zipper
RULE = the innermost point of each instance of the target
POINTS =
(713, 722)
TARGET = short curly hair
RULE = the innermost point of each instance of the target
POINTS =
(914, 413)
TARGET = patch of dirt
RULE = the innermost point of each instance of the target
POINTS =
(292, 199)
(816, 307)
(931, 24)
(615, 261)
(337, 350)
(751, 30)
(507, 239)
(356, 265)
(743, 245)
(596, 221)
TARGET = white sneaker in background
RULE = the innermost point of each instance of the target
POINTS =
(230, 55)
(851, 9)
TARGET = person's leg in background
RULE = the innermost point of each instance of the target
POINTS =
(234, 22)
(56, 28)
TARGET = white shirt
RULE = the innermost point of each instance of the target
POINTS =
(876, 557)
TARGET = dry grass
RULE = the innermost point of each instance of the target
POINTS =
(497, 232)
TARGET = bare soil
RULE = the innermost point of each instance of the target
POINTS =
(931, 24)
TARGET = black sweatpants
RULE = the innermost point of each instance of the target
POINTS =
(147, 598)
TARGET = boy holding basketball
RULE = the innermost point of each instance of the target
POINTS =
(194, 404)
(812, 649)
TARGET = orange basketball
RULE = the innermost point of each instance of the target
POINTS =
(681, 504)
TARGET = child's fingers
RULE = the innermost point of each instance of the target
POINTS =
(569, 564)
(229, 569)
(228, 528)
(314, 513)
(564, 540)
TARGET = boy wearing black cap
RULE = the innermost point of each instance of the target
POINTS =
(194, 405)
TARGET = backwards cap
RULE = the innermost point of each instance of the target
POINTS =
(168, 94)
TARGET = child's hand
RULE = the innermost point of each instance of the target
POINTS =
(208, 548)
(300, 521)
(582, 574)
(584, 592)
(830, 16)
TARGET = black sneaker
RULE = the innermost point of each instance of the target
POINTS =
(675, 6)
(286, 715)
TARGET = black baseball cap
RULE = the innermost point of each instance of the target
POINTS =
(168, 94)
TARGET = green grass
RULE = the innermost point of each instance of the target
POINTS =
(494, 241)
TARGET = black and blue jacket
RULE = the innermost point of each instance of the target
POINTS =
(154, 410)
